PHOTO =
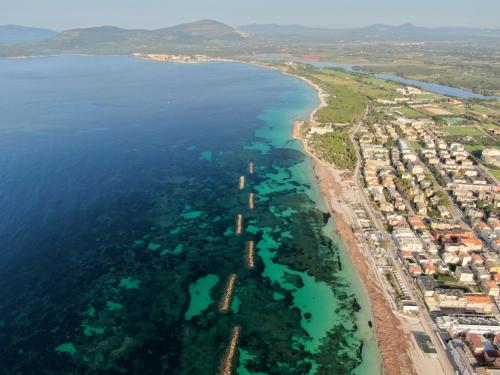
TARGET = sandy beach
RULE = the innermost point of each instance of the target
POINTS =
(393, 341)
(322, 96)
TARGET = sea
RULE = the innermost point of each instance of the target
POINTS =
(119, 203)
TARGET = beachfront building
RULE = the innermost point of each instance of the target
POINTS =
(457, 350)
(462, 324)
(457, 300)
(406, 240)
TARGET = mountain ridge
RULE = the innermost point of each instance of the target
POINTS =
(22, 34)
(214, 37)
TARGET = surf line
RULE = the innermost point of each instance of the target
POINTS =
(251, 201)
(242, 182)
(250, 256)
(239, 224)
(225, 302)
(227, 362)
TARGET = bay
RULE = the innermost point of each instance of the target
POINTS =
(119, 195)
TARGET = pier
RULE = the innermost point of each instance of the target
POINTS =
(239, 224)
(227, 362)
(242, 182)
(250, 168)
(251, 201)
(225, 302)
(250, 256)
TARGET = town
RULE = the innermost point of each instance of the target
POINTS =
(178, 59)
(423, 204)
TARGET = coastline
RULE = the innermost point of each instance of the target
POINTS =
(321, 96)
(392, 340)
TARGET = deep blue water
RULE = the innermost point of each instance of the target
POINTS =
(77, 132)
(118, 195)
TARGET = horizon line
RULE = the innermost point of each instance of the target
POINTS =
(251, 24)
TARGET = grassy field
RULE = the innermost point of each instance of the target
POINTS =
(349, 94)
(475, 149)
(495, 172)
(462, 131)
(437, 111)
(411, 112)
(344, 105)
(346, 102)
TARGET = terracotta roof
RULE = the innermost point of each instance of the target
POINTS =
(483, 225)
(490, 284)
(475, 340)
(414, 269)
(471, 241)
(477, 298)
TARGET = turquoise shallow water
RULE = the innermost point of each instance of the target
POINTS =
(120, 196)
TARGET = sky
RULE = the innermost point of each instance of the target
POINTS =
(150, 14)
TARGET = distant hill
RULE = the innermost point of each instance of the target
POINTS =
(22, 34)
(215, 38)
(90, 37)
(274, 30)
(108, 39)
(405, 32)
(200, 31)
(410, 32)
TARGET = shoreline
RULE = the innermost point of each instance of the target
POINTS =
(392, 340)
(487, 95)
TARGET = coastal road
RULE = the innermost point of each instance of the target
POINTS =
(424, 317)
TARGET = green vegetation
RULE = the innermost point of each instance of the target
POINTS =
(343, 107)
(444, 200)
(347, 95)
(411, 112)
(394, 283)
(445, 277)
(416, 145)
(495, 172)
(335, 148)
(470, 75)
(462, 131)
